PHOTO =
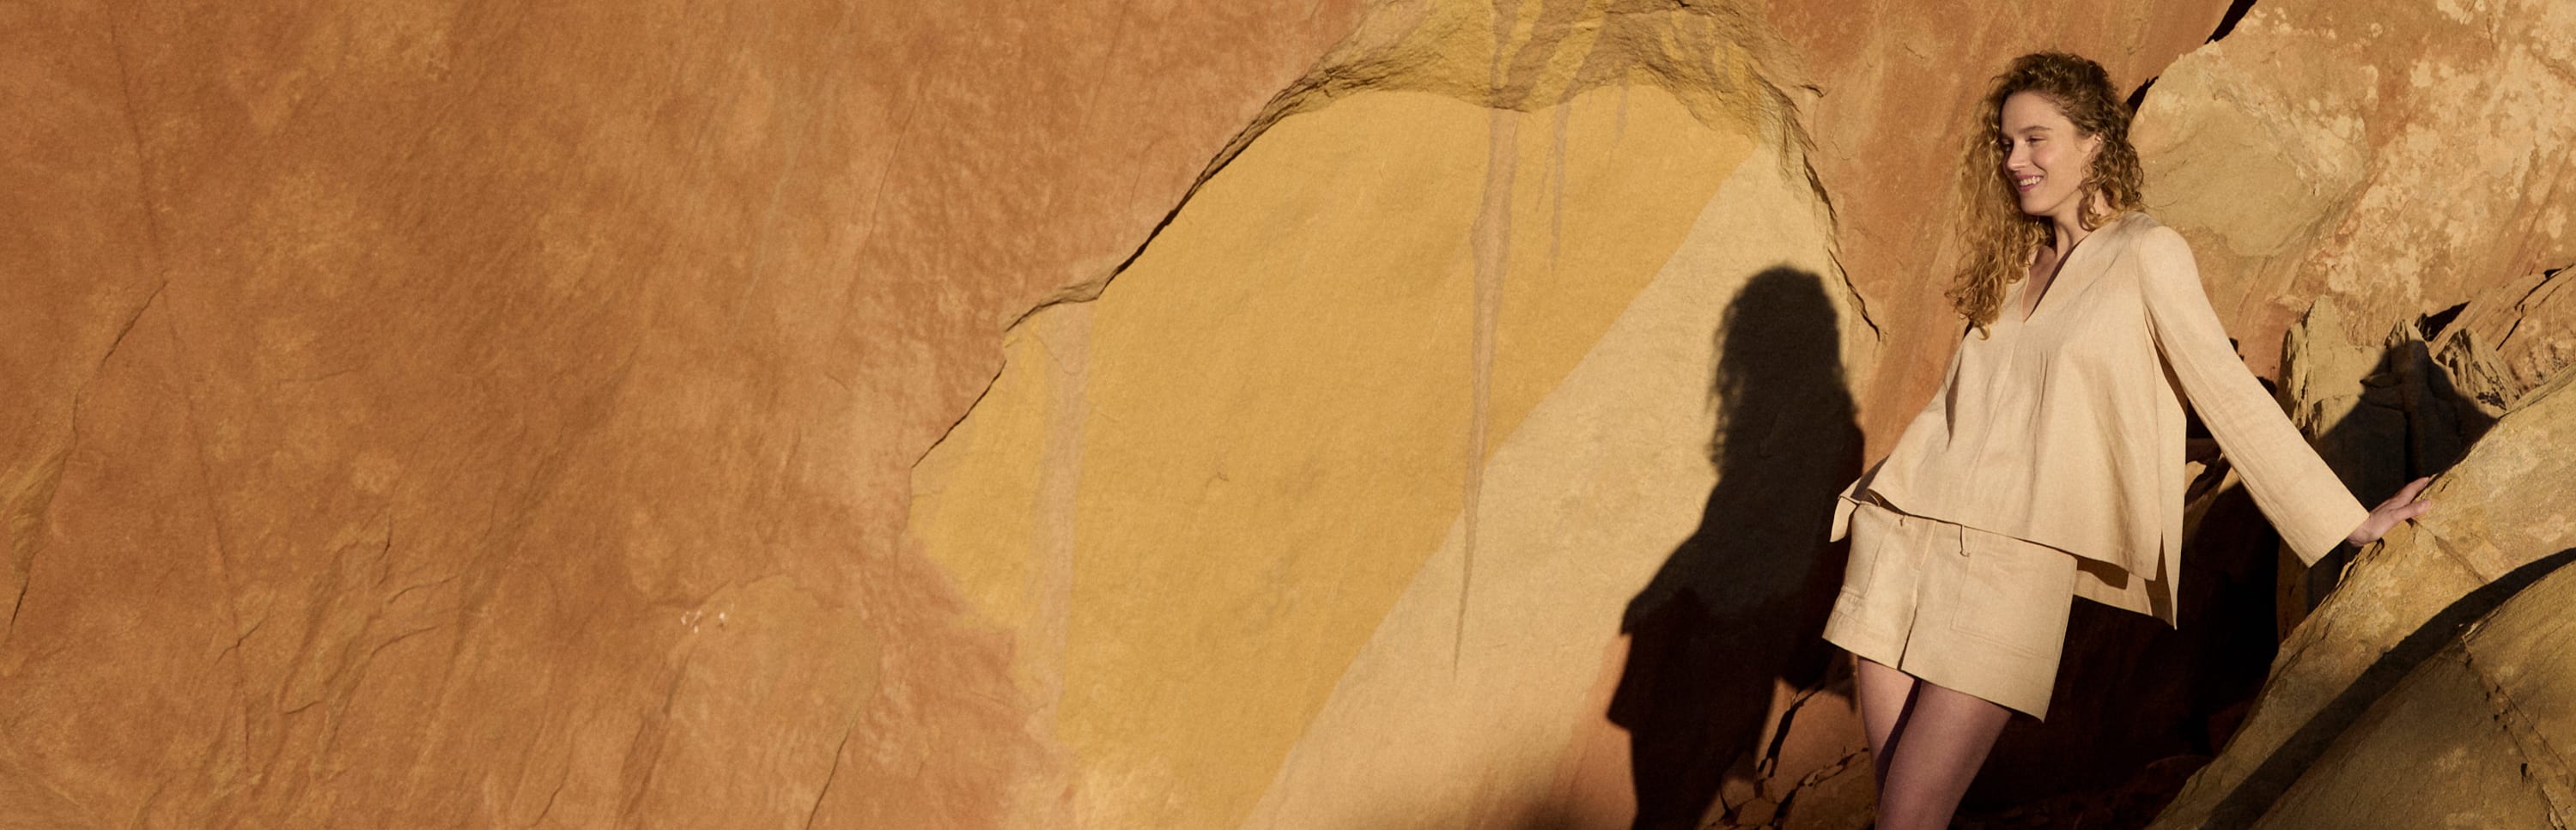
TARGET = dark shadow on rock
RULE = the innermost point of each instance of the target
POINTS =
(2412, 421)
(1740, 605)
(2254, 796)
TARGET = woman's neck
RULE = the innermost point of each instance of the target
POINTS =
(2067, 228)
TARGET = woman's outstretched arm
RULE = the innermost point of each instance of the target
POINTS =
(2292, 486)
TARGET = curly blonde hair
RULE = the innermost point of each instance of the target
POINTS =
(2000, 237)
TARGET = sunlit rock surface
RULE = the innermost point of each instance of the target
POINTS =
(2317, 151)
(2507, 342)
(2400, 157)
(1343, 415)
(2475, 736)
(1332, 507)
(449, 414)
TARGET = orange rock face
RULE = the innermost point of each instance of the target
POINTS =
(468, 414)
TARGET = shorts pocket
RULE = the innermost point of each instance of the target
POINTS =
(1871, 527)
(2013, 594)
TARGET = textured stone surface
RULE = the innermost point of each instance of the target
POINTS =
(447, 414)
(2376, 412)
(1838, 797)
(2318, 150)
(2509, 341)
(2477, 736)
(468, 415)
(2323, 149)
(2501, 519)
(2409, 406)
(2408, 597)
(1363, 564)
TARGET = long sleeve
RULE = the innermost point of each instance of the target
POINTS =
(2293, 487)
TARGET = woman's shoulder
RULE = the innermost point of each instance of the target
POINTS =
(2140, 232)
(2156, 252)
(2137, 224)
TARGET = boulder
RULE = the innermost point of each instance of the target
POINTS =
(2316, 151)
(1363, 415)
(2505, 343)
(2473, 736)
(2501, 519)
(2428, 390)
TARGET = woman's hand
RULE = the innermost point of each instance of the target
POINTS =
(2388, 514)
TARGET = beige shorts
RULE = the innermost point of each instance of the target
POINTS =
(1967, 609)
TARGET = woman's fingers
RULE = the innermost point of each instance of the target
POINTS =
(2406, 495)
(2413, 496)
(2398, 509)
(2417, 509)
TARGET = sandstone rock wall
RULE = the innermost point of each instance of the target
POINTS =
(445, 414)
(1402, 414)
(2299, 155)
(2400, 157)
(1331, 508)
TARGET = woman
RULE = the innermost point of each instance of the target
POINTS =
(2049, 465)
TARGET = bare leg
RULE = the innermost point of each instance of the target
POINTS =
(1944, 739)
(1884, 695)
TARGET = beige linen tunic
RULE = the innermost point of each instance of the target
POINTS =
(2067, 429)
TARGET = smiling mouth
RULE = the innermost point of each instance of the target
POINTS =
(2024, 185)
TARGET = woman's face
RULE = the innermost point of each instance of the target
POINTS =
(2045, 156)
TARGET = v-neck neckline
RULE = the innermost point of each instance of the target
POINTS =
(2063, 264)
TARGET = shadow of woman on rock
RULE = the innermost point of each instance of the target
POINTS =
(1739, 607)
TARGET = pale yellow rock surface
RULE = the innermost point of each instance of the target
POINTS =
(1453, 711)
(2326, 150)
(2429, 755)
(1324, 511)
(2525, 657)
(454, 415)
(2409, 405)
